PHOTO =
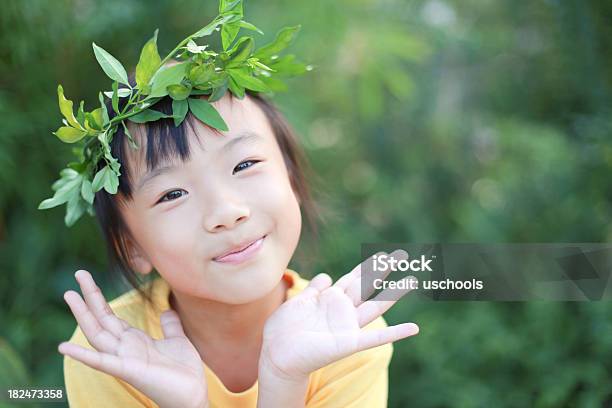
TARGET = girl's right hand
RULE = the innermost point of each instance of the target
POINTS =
(169, 371)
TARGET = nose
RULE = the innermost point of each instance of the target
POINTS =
(225, 213)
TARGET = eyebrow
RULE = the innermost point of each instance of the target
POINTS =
(242, 138)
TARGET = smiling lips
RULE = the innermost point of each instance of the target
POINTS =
(236, 256)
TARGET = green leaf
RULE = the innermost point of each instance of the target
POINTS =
(66, 175)
(114, 164)
(66, 186)
(200, 74)
(254, 62)
(283, 38)
(225, 7)
(147, 64)
(210, 28)
(202, 91)
(104, 139)
(229, 31)
(69, 134)
(110, 65)
(235, 88)
(247, 81)
(166, 76)
(80, 116)
(219, 90)
(132, 142)
(204, 111)
(91, 125)
(87, 191)
(241, 51)
(287, 65)
(121, 93)
(148, 115)
(96, 118)
(179, 92)
(74, 210)
(107, 179)
(65, 106)
(149, 102)
(50, 203)
(112, 183)
(179, 111)
(115, 98)
(249, 26)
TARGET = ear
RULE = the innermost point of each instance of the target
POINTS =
(138, 260)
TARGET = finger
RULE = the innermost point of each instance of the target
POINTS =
(373, 308)
(375, 338)
(359, 290)
(319, 283)
(98, 305)
(97, 336)
(346, 280)
(105, 362)
(171, 324)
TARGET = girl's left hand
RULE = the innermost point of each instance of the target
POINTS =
(324, 323)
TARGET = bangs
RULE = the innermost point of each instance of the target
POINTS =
(165, 143)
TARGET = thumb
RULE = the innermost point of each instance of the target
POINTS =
(171, 324)
(319, 283)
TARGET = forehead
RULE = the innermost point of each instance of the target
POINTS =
(242, 116)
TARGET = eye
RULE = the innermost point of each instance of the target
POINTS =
(171, 195)
(244, 165)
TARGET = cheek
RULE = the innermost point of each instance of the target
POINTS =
(293, 224)
(168, 240)
(282, 205)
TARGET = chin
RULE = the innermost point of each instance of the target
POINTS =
(248, 284)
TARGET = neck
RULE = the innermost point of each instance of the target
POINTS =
(209, 322)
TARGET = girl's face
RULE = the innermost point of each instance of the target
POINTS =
(233, 190)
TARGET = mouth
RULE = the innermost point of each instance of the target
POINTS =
(242, 253)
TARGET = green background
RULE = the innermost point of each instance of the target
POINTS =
(425, 121)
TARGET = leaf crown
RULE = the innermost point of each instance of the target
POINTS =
(196, 71)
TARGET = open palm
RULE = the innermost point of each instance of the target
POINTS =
(169, 370)
(324, 323)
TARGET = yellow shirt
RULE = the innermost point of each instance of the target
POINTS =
(360, 380)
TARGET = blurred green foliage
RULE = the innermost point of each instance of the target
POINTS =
(426, 121)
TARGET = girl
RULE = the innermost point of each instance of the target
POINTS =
(217, 215)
